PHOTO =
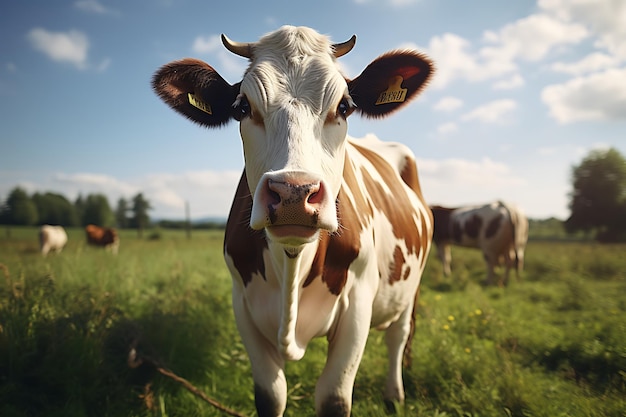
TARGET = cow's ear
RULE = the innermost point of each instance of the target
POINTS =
(194, 89)
(390, 82)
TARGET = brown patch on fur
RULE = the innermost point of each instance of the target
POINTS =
(472, 226)
(101, 236)
(243, 244)
(336, 252)
(493, 227)
(395, 268)
(396, 205)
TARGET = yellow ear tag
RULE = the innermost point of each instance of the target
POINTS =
(394, 93)
(199, 104)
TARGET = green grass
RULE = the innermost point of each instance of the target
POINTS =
(550, 344)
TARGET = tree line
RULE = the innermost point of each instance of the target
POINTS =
(597, 204)
(23, 209)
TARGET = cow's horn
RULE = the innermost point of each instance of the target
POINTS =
(343, 48)
(237, 48)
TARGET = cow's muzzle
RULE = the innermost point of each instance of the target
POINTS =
(293, 204)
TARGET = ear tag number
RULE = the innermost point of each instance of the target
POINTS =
(199, 104)
(394, 93)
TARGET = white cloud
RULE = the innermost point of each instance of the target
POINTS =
(230, 66)
(206, 44)
(485, 172)
(69, 46)
(93, 183)
(515, 81)
(209, 192)
(448, 104)
(599, 96)
(606, 18)
(453, 59)
(454, 181)
(530, 38)
(492, 112)
(593, 62)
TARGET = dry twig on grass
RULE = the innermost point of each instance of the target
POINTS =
(135, 360)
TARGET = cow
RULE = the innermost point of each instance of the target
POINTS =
(327, 234)
(103, 236)
(498, 229)
(51, 238)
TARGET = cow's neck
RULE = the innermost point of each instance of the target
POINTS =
(291, 272)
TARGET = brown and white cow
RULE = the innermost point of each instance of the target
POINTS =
(327, 234)
(498, 229)
(51, 238)
(103, 236)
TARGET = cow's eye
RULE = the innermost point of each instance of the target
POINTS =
(344, 109)
(241, 108)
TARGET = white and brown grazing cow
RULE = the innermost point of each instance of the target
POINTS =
(103, 236)
(327, 234)
(498, 229)
(51, 238)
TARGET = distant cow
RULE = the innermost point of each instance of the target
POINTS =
(498, 229)
(51, 238)
(103, 236)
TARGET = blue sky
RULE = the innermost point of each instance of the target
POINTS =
(523, 91)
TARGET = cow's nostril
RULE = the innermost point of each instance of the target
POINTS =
(273, 192)
(274, 197)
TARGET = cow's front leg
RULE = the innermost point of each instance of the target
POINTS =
(270, 386)
(396, 338)
(333, 393)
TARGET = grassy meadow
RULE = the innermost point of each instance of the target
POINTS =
(552, 344)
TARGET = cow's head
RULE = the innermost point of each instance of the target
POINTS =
(292, 106)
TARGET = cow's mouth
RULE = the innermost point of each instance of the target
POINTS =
(292, 234)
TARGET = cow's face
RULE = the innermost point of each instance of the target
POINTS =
(292, 106)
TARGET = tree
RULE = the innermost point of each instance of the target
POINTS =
(598, 199)
(55, 209)
(97, 211)
(121, 213)
(140, 218)
(79, 206)
(19, 209)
